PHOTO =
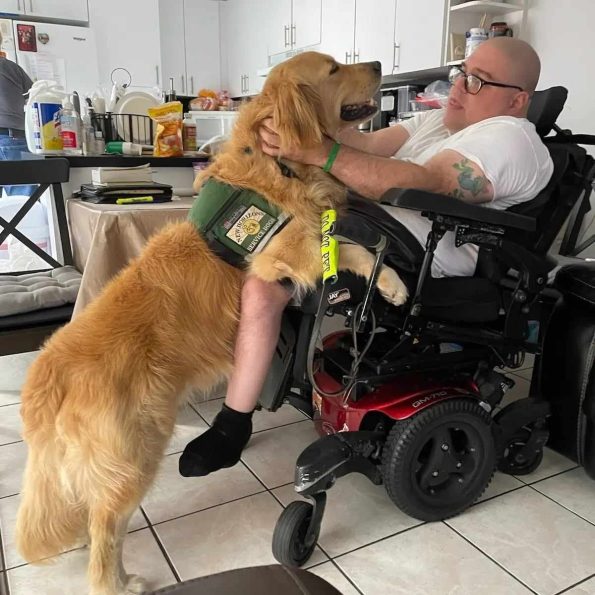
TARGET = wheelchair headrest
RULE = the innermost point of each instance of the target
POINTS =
(545, 107)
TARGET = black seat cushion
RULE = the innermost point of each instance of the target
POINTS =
(461, 299)
(49, 316)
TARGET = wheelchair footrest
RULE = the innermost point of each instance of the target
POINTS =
(331, 457)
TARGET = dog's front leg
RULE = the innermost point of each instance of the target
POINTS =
(292, 255)
(358, 260)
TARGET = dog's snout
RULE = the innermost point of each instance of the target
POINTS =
(376, 66)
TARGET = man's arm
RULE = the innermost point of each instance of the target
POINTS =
(448, 172)
(384, 143)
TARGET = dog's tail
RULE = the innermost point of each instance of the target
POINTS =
(49, 519)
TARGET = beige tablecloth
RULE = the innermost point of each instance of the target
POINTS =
(106, 237)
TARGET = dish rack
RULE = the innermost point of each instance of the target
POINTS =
(133, 128)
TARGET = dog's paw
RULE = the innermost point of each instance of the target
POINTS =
(391, 287)
(135, 585)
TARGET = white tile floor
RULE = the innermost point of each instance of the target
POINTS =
(534, 534)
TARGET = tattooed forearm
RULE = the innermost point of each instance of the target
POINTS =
(470, 185)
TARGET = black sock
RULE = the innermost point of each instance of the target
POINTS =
(220, 446)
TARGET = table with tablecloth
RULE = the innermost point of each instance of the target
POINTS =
(106, 237)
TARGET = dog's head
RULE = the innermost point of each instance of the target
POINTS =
(312, 94)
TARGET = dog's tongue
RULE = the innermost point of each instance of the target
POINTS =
(356, 111)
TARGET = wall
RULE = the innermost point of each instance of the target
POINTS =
(127, 35)
(561, 31)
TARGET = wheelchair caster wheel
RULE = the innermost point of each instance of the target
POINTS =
(438, 462)
(294, 537)
(517, 458)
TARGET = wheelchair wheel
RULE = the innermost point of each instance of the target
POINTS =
(290, 544)
(515, 460)
(437, 463)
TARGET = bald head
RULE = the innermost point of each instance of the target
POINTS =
(515, 61)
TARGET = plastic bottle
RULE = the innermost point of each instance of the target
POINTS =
(88, 134)
(189, 134)
(70, 128)
(123, 148)
(42, 125)
(99, 143)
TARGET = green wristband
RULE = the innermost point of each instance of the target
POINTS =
(331, 157)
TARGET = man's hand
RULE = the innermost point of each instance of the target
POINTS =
(271, 143)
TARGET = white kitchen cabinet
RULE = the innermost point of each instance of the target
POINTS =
(305, 23)
(189, 32)
(359, 31)
(338, 27)
(419, 34)
(70, 10)
(138, 51)
(201, 34)
(244, 44)
(276, 29)
(173, 50)
(289, 24)
(12, 6)
(375, 32)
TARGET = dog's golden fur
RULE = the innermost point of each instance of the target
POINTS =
(99, 403)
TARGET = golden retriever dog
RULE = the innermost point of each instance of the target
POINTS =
(99, 403)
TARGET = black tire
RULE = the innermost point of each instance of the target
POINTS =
(430, 482)
(289, 537)
(510, 462)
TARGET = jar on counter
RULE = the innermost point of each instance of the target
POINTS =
(500, 29)
(474, 38)
(189, 134)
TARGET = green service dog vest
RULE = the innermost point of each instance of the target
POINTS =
(235, 222)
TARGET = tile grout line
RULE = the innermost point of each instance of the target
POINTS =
(544, 478)
(360, 547)
(575, 584)
(205, 509)
(490, 558)
(4, 586)
(11, 443)
(351, 582)
(161, 546)
(562, 505)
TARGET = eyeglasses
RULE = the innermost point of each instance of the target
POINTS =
(474, 83)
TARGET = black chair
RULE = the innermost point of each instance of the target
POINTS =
(27, 331)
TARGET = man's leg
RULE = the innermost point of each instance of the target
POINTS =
(261, 309)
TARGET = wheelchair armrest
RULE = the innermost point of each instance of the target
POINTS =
(440, 204)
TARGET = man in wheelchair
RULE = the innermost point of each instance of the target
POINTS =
(406, 395)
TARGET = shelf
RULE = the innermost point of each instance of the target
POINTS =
(487, 6)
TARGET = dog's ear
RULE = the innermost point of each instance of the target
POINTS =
(295, 114)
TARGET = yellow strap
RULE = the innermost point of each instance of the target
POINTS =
(329, 247)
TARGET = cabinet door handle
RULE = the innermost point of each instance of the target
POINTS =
(242, 83)
(347, 57)
(247, 83)
(285, 34)
(356, 57)
(293, 35)
(396, 61)
(183, 84)
(30, 5)
(157, 74)
(192, 84)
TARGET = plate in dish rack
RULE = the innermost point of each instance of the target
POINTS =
(135, 129)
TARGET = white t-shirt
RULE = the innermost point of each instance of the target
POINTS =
(507, 149)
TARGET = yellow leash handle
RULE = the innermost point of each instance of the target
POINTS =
(329, 247)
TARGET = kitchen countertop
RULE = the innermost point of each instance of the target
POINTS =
(417, 77)
(128, 161)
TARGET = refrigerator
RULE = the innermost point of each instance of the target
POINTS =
(63, 53)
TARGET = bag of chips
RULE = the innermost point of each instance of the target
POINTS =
(168, 135)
